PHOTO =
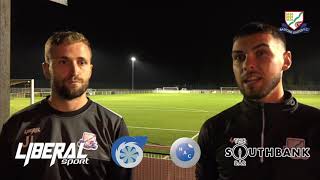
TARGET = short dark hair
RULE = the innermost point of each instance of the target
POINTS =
(259, 27)
(63, 37)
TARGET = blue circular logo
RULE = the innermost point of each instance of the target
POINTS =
(185, 152)
(127, 151)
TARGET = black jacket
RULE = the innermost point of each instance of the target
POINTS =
(263, 125)
(41, 123)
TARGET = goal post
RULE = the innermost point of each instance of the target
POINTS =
(229, 89)
(167, 89)
(174, 88)
(23, 90)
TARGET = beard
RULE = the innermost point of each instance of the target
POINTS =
(60, 88)
(255, 94)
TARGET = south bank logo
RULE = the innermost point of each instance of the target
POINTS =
(238, 151)
(185, 152)
(294, 23)
(127, 151)
(294, 149)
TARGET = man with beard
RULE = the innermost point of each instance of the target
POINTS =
(67, 116)
(268, 119)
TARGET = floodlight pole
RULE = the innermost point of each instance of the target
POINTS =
(133, 59)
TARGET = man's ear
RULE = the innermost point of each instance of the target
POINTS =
(45, 70)
(287, 60)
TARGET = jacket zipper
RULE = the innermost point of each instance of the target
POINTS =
(262, 131)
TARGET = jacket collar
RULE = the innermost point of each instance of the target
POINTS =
(289, 104)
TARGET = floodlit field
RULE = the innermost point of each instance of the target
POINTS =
(167, 117)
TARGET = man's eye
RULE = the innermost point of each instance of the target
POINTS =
(83, 62)
(62, 61)
(239, 57)
(260, 53)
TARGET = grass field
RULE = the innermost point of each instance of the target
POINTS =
(166, 117)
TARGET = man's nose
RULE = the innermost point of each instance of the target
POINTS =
(250, 62)
(74, 68)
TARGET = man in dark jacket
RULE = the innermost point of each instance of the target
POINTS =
(65, 136)
(269, 135)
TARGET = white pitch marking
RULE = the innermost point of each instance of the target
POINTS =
(148, 108)
(164, 129)
(195, 136)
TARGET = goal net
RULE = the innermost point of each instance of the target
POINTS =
(170, 88)
(229, 90)
(22, 88)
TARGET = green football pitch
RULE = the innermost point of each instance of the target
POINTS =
(166, 117)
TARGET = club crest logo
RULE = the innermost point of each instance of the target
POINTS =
(127, 151)
(294, 19)
(185, 152)
(294, 23)
(89, 140)
(296, 143)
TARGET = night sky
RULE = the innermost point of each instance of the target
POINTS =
(176, 44)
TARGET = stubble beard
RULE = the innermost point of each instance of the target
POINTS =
(64, 92)
(256, 94)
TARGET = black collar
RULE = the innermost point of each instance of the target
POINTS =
(289, 104)
(65, 114)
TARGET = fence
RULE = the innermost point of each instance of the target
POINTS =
(158, 166)
(42, 92)
(161, 169)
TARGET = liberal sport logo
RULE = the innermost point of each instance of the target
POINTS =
(185, 152)
(67, 153)
(127, 151)
(40, 150)
(294, 23)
